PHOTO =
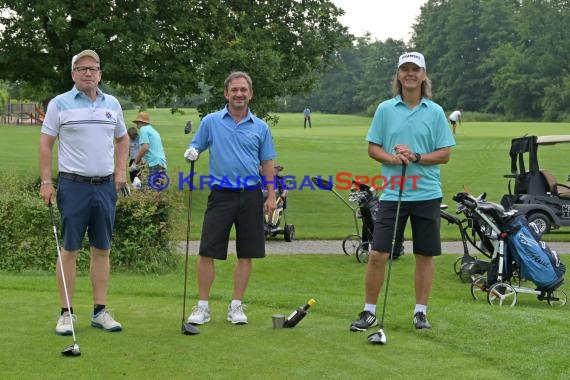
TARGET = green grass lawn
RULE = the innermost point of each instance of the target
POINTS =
(335, 144)
(469, 339)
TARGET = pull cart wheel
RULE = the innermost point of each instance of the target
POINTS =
(501, 294)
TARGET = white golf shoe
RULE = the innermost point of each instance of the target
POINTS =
(64, 326)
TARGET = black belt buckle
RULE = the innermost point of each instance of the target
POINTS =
(95, 180)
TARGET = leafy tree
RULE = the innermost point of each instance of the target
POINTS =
(166, 49)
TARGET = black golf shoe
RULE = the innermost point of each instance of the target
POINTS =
(420, 321)
(365, 320)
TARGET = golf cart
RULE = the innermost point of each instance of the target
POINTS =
(537, 193)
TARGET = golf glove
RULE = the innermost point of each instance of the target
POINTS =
(134, 167)
(191, 154)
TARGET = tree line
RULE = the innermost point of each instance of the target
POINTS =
(502, 57)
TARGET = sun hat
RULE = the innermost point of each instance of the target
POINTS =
(413, 57)
(142, 117)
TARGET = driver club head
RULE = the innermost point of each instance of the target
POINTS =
(189, 329)
(378, 337)
(72, 350)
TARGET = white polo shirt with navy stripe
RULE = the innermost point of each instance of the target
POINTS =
(86, 130)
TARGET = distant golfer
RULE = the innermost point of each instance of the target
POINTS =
(238, 143)
(90, 128)
(307, 114)
(411, 130)
(454, 118)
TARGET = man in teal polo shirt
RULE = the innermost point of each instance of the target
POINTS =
(408, 130)
(150, 145)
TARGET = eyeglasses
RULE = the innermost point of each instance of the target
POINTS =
(83, 69)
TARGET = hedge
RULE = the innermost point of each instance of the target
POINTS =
(141, 240)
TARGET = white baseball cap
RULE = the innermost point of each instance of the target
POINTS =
(413, 57)
(85, 53)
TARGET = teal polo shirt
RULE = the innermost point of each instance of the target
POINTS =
(424, 129)
(155, 154)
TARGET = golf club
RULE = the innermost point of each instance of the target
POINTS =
(188, 328)
(72, 350)
(379, 337)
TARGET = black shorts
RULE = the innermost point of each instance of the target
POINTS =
(226, 208)
(425, 220)
(453, 122)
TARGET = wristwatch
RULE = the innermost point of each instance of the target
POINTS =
(418, 158)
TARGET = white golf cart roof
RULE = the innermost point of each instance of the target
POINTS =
(551, 140)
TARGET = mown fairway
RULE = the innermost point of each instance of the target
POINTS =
(469, 339)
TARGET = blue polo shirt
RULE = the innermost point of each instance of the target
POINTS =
(86, 130)
(236, 149)
(424, 129)
(155, 154)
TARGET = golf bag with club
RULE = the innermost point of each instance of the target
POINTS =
(368, 209)
(517, 255)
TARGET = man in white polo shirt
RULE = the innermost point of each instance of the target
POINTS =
(90, 126)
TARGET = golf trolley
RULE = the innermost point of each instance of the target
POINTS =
(517, 255)
(471, 235)
(272, 224)
(367, 209)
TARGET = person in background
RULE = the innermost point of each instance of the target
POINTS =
(410, 131)
(134, 148)
(90, 127)
(150, 146)
(307, 114)
(454, 118)
(238, 143)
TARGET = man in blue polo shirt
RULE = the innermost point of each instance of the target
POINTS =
(239, 143)
(89, 125)
(408, 130)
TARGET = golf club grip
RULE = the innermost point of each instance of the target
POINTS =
(404, 167)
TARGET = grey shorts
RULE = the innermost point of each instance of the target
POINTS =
(425, 221)
(225, 209)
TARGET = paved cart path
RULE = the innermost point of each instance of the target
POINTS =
(281, 247)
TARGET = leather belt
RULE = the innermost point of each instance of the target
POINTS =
(89, 180)
(236, 190)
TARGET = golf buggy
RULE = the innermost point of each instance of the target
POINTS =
(537, 194)
(272, 224)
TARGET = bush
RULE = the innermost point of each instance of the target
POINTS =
(141, 241)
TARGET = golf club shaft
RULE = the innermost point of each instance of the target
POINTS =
(188, 238)
(394, 236)
(62, 271)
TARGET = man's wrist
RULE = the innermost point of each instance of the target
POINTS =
(46, 182)
(418, 158)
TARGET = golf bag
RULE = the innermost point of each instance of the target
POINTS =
(535, 260)
(369, 211)
(517, 255)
